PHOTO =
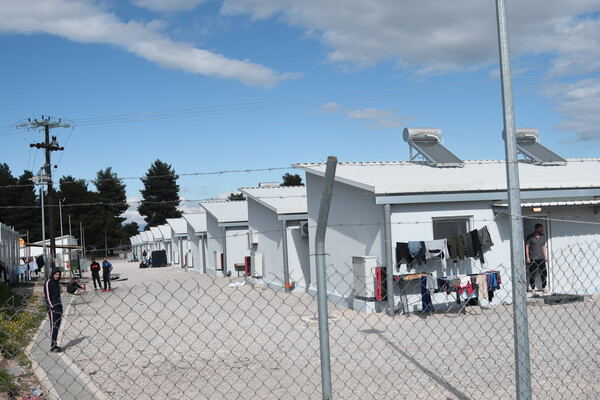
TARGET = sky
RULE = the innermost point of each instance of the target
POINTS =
(231, 93)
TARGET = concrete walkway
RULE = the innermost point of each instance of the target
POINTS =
(60, 377)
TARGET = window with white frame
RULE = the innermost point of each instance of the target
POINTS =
(447, 227)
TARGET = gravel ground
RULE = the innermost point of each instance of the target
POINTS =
(165, 333)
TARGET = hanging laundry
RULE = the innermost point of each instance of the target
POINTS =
(417, 251)
(482, 287)
(456, 248)
(485, 239)
(437, 249)
(428, 286)
(469, 252)
(402, 253)
(465, 285)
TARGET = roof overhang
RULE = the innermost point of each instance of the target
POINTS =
(233, 224)
(292, 217)
(572, 203)
(486, 196)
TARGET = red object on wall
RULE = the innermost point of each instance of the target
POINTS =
(248, 265)
(380, 284)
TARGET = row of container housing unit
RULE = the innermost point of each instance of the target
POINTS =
(9, 248)
(259, 237)
(376, 205)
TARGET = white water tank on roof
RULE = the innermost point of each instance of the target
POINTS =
(422, 134)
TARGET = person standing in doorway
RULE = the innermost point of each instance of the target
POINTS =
(95, 268)
(54, 305)
(535, 252)
(106, 268)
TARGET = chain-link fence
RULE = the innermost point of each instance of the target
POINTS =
(164, 333)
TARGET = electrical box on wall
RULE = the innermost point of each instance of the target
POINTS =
(304, 228)
(364, 282)
(256, 264)
(218, 260)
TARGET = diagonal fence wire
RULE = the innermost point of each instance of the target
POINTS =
(168, 334)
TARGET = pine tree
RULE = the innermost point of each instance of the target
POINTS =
(80, 204)
(8, 214)
(112, 195)
(292, 180)
(160, 196)
(30, 216)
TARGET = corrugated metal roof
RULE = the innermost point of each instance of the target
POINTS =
(227, 211)
(197, 221)
(179, 225)
(387, 178)
(165, 230)
(573, 203)
(147, 236)
(281, 199)
(135, 240)
(156, 233)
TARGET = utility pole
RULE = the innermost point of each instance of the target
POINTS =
(47, 123)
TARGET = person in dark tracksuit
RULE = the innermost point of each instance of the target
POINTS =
(106, 268)
(95, 268)
(54, 305)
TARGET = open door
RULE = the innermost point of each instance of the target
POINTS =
(529, 228)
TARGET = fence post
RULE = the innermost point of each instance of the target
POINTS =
(519, 289)
(322, 277)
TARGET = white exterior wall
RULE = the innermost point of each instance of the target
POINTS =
(298, 255)
(9, 245)
(194, 251)
(573, 243)
(237, 246)
(264, 221)
(355, 228)
(414, 222)
(214, 242)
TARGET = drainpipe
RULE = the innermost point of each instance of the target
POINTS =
(204, 250)
(322, 277)
(225, 251)
(286, 266)
(388, 258)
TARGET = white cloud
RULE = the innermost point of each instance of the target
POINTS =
(437, 37)
(84, 21)
(330, 108)
(578, 103)
(168, 5)
(132, 215)
(189, 207)
(369, 113)
(379, 119)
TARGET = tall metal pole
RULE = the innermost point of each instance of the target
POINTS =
(50, 194)
(519, 291)
(46, 274)
(388, 260)
(322, 276)
(62, 240)
(105, 245)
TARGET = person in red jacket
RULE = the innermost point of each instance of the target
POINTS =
(95, 268)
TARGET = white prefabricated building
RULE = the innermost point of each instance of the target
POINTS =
(226, 228)
(278, 235)
(195, 254)
(422, 201)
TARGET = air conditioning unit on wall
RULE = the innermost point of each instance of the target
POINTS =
(304, 228)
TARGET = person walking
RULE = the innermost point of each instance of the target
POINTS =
(54, 306)
(106, 268)
(535, 252)
(95, 268)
